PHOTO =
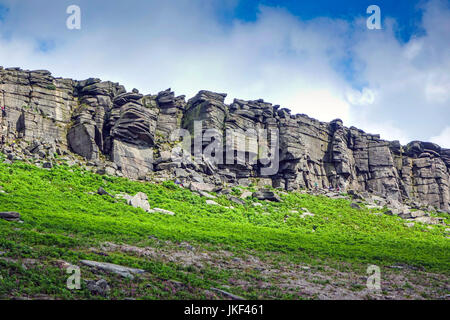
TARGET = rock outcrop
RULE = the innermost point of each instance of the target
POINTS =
(127, 133)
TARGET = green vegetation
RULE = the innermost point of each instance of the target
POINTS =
(64, 218)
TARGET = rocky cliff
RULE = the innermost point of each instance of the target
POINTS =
(127, 133)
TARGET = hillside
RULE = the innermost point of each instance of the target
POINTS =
(206, 245)
(129, 134)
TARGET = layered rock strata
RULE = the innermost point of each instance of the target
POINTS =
(103, 123)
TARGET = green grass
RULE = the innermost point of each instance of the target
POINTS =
(63, 219)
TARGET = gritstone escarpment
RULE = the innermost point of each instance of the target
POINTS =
(127, 133)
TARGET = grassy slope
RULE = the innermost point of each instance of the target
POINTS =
(63, 221)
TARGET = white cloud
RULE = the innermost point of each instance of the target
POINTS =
(443, 139)
(154, 45)
(362, 98)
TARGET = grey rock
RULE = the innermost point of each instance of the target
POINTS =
(236, 200)
(125, 272)
(430, 220)
(227, 294)
(163, 211)
(140, 200)
(307, 214)
(197, 186)
(10, 216)
(100, 287)
(246, 194)
(99, 119)
(47, 165)
(103, 192)
(355, 206)
(267, 195)
(206, 195)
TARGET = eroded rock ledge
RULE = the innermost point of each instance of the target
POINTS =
(127, 133)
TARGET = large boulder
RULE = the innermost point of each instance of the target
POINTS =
(267, 195)
(125, 272)
(140, 200)
(198, 186)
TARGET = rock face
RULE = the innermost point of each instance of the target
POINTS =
(101, 121)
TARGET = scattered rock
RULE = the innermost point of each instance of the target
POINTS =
(47, 165)
(140, 200)
(374, 206)
(212, 202)
(198, 186)
(430, 220)
(396, 267)
(393, 212)
(227, 294)
(355, 206)
(10, 216)
(103, 192)
(236, 200)
(125, 272)
(187, 246)
(206, 195)
(307, 214)
(170, 213)
(267, 195)
(417, 214)
(125, 196)
(246, 194)
(305, 268)
(100, 287)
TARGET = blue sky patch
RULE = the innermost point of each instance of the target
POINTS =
(405, 12)
(3, 12)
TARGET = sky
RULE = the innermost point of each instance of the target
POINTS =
(313, 57)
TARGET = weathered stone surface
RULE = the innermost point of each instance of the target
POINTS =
(103, 192)
(10, 216)
(140, 200)
(355, 206)
(99, 287)
(227, 294)
(267, 195)
(212, 202)
(206, 187)
(133, 161)
(125, 272)
(99, 120)
(163, 211)
(236, 200)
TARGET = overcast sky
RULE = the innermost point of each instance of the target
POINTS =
(314, 57)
